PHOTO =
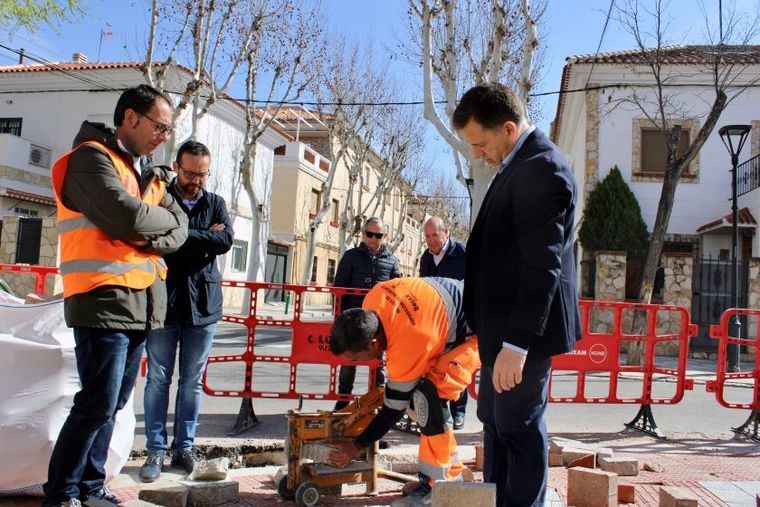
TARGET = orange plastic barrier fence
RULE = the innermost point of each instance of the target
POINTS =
(309, 341)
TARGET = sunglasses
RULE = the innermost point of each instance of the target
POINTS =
(158, 127)
(377, 235)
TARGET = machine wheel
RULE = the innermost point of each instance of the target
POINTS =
(282, 489)
(307, 494)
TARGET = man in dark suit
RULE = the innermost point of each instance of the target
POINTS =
(445, 257)
(520, 296)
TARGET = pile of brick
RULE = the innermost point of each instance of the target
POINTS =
(593, 476)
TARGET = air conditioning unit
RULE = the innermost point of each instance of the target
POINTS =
(39, 156)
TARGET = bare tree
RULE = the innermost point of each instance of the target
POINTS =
(349, 80)
(462, 43)
(278, 61)
(200, 32)
(666, 107)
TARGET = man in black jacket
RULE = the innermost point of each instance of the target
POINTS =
(361, 268)
(520, 296)
(445, 257)
(194, 307)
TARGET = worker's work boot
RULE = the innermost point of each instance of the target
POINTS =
(419, 496)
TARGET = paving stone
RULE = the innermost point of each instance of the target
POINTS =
(479, 457)
(653, 467)
(586, 461)
(212, 493)
(456, 494)
(166, 494)
(624, 466)
(671, 496)
(138, 503)
(591, 488)
(731, 493)
(555, 460)
(210, 470)
(570, 454)
(626, 493)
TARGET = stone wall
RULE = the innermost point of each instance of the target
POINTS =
(22, 284)
(592, 141)
(753, 297)
(610, 276)
(677, 291)
(609, 286)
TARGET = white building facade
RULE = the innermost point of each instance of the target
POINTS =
(598, 127)
(43, 106)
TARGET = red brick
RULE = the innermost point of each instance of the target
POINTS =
(591, 488)
(626, 493)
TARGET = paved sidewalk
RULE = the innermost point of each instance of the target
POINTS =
(719, 472)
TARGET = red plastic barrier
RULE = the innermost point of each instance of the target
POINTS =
(40, 273)
(722, 333)
(310, 345)
(606, 327)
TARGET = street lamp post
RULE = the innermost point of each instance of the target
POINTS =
(734, 137)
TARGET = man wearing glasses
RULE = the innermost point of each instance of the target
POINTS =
(361, 268)
(115, 221)
(194, 307)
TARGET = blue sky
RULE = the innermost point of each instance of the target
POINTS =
(571, 27)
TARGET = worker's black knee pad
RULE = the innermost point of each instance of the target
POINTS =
(427, 409)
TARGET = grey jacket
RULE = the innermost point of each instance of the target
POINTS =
(92, 187)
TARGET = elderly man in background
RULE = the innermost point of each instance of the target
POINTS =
(445, 257)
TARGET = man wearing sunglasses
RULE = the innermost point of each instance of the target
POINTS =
(194, 307)
(361, 268)
(115, 221)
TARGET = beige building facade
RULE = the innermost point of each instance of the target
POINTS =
(300, 169)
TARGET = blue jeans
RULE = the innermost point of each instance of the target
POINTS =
(515, 447)
(107, 362)
(194, 346)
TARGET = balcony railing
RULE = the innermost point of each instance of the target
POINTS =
(748, 176)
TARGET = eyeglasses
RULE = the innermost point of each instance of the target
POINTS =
(158, 128)
(192, 175)
(377, 235)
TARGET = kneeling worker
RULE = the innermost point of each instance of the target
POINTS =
(430, 359)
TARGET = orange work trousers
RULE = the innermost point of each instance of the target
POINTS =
(451, 375)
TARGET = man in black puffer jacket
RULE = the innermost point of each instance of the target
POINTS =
(361, 268)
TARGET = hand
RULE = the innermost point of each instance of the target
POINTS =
(507, 370)
(140, 243)
(343, 453)
(216, 227)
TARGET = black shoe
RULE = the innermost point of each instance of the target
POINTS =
(184, 459)
(458, 422)
(103, 498)
(340, 405)
(151, 469)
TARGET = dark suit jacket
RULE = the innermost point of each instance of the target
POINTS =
(520, 283)
(451, 266)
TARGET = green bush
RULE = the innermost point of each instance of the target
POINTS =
(612, 218)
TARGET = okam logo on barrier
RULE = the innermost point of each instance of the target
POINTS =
(323, 341)
(597, 353)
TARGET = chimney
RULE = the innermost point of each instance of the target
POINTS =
(78, 58)
(21, 54)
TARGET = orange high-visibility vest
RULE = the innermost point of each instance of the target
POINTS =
(89, 257)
